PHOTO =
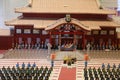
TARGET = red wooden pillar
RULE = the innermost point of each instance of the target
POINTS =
(59, 38)
(119, 43)
(74, 41)
(50, 38)
(84, 41)
(16, 41)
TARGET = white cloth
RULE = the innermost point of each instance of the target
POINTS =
(59, 47)
(88, 47)
(49, 48)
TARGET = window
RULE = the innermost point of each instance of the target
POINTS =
(35, 31)
(44, 32)
(18, 31)
(103, 32)
(111, 32)
(27, 31)
(88, 33)
(95, 32)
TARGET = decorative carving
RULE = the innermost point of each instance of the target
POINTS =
(68, 18)
(67, 27)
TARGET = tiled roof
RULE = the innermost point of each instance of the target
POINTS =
(64, 6)
(52, 23)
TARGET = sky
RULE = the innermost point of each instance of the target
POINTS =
(7, 11)
(118, 5)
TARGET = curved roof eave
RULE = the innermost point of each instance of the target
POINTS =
(62, 21)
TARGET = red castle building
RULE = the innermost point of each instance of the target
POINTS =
(69, 24)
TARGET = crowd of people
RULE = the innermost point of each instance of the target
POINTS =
(106, 72)
(23, 72)
(23, 65)
(68, 45)
(98, 46)
(30, 46)
(33, 46)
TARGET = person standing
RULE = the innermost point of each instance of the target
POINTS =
(103, 66)
(28, 65)
(42, 45)
(17, 65)
(23, 65)
(108, 66)
(49, 47)
(86, 59)
(34, 65)
(88, 47)
(114, 66)
(52, 56)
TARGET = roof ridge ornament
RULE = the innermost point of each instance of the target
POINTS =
(68, 18)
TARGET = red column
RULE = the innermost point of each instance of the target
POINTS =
(74, 41)
(16, 42)
(84, 43)
(59, 38)
(50, 38)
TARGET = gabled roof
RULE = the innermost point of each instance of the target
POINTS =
(64, 6)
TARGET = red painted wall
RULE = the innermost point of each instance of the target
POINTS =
(6, 42)
(43, 37)
(31, 35)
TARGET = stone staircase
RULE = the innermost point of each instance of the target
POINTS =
(56, 70)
